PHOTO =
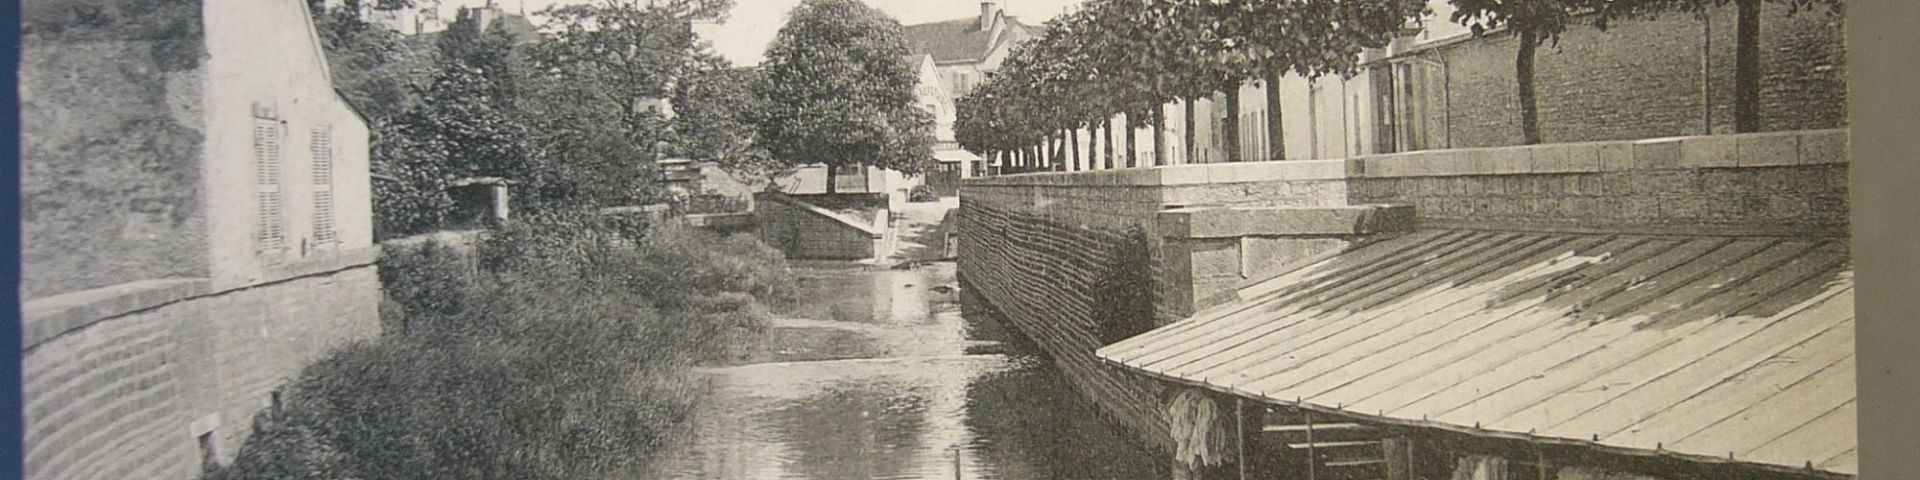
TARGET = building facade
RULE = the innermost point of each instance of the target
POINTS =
(958, 55)
(196, 228)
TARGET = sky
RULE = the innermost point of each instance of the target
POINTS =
(743, 37)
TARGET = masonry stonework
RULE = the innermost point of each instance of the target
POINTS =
(1641, 79)
(129, 395)
(1080, 260)
(802, 230)
(121, 76)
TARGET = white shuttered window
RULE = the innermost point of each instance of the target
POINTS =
(324, 232)
(270, 233)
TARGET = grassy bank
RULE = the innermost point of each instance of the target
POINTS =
(554, 349)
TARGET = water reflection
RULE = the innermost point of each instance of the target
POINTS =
(904, 400)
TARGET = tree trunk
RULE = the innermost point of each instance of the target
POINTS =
(1133, 147)
(1160, 134)
(1192, 133)
(1073, 136)
(1523, 75)
(1106, 140)
(1746, 67)
(833, 178)
(1232, 125)
(1060, 150)
(1276, 133)
(1046, 152)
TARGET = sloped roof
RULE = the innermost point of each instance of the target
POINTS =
(1715, 349)
(961, 39)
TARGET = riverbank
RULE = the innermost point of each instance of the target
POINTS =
(549, 351)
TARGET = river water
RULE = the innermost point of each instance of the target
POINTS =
(880, 375)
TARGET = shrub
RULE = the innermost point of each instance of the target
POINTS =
(560, 353)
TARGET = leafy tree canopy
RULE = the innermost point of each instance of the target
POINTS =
(841, 92)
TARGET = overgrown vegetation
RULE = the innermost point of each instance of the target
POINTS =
(557, 349)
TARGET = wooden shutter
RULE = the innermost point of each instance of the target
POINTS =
(269, 227)
(324, 231)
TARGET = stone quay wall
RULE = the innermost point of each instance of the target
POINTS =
(1079, 260)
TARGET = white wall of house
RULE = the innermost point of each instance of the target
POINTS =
(261, 74)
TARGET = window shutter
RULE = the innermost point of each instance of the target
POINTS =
(323, 217)
(269, 228)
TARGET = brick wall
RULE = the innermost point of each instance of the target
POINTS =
(1641, 79)
(120, 382)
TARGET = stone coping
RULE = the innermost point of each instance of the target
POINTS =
(1231, 222)
(1806, 147)
(47, 318)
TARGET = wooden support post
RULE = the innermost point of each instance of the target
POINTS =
(1312, 457)
(1240, 429)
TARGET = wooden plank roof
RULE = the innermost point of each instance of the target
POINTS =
(1714, 348)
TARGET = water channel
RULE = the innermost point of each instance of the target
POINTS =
(881, 375)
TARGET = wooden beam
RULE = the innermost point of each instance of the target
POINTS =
(1310, 426)
(1356, 443)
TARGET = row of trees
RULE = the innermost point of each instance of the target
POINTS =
(1131, 57)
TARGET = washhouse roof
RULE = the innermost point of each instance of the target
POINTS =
(1722, 349)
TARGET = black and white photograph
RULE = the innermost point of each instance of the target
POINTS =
(938, 239)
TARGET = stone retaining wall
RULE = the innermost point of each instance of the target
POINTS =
(124, 381)
(1082, 259)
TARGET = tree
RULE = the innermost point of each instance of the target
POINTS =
(374, 68)
(841, 93)
(716, 112)
(468, 106)
(587, 88)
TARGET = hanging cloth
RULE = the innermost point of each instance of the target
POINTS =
(1201, 435)
(1481, 467)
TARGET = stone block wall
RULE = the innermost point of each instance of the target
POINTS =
(1642, 79)
(123, 382)
(1079, 260)
(802, 230)
(1070, 289)
(1786, 183)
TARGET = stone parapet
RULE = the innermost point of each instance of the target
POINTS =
(1234, 222)
(1772, 149)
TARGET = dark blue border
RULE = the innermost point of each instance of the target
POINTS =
(11, 423)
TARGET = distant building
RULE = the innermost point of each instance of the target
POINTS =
(965, 50)
(197, 228)
(955, 163)
(960, 53)
(409, 21)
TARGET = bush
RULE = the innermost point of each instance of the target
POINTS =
(561, 353)
(922, 193)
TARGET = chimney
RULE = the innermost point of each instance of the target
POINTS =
(988, 10)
